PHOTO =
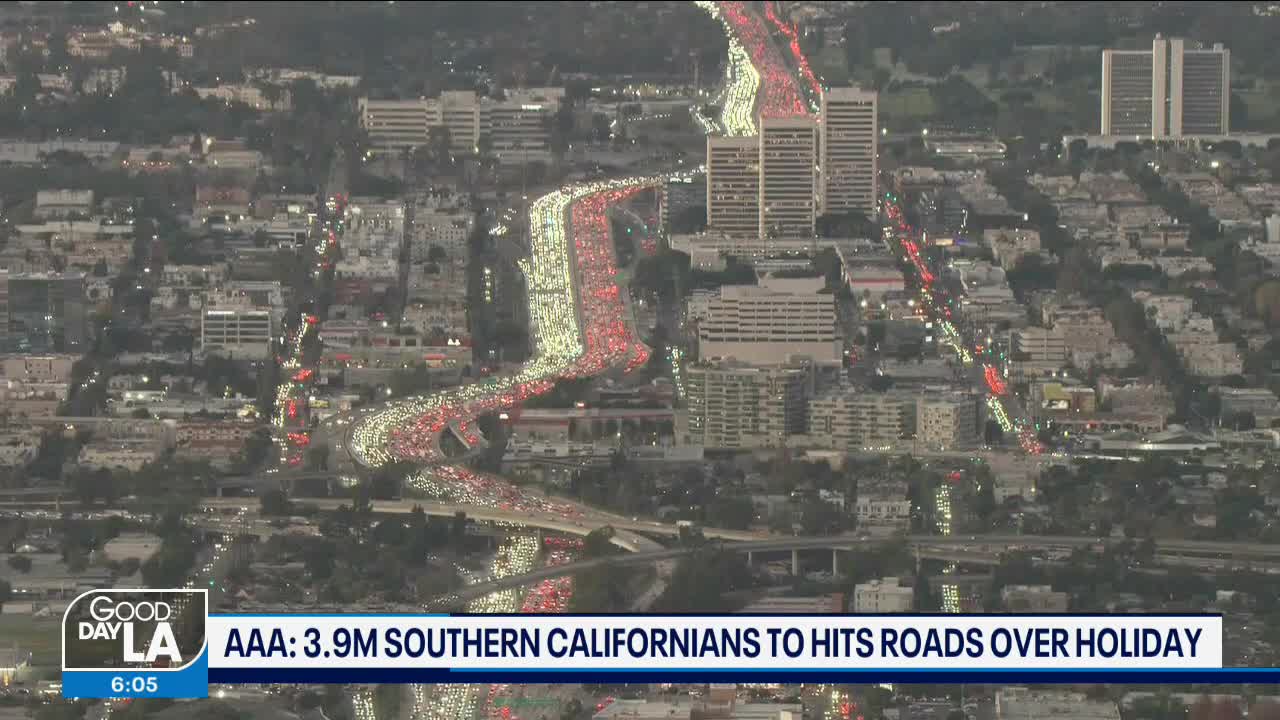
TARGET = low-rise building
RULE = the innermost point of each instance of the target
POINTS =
(1216, 360)
(38, 368)
(877, 513)
(19, 446)
(882, 596)
(216, 441)
(1020, 703)
(63, 204)
(1033, 599)
(1261, 403)
(1011, 245)
(117, 455)
(131, 546)
(237, 333)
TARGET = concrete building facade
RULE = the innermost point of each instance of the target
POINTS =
(733, 405)
(771, 323)
(788, 177)
(849, 145)
(733, 186)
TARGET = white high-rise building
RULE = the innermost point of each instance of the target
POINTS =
(788, 177)
(1200, 97)
(735, 405)
(733, 186)
(849, 139)
(1127, 93)
(771, 323)
(1169, 91)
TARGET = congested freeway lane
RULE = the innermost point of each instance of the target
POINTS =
(737, 96)
(779, 93)
(578, 324)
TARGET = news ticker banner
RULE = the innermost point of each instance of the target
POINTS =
(163, 644)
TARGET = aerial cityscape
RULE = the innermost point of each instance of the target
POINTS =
(781, 307)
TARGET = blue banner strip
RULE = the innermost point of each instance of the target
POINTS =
(189, 682)
(852, 675)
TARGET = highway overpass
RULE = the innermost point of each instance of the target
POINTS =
(982, 547)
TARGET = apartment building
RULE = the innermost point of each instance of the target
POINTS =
(947, 421)
(734, 405)
(851, 419)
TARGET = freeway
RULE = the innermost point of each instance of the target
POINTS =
(577, 524)
(1173, 551)
(739, 90)
(744, 541)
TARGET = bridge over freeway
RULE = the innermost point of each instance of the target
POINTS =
(574, 525)
(982, 547)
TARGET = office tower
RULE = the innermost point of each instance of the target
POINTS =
(1128, 93)
(515, 128)
(771, 323)
(1170, 91)
(733, 185)
(394, 124)
(734, 405)
(459, 111)
(849, 137)
(44, 312)
(788, 177)
(1201, 83)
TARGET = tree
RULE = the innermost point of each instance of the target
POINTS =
(274, 502)
(440, 143)
(736, 513)
(560, 129)
(688, 220)
(701, 579)
(318, 457)
(318, 557)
